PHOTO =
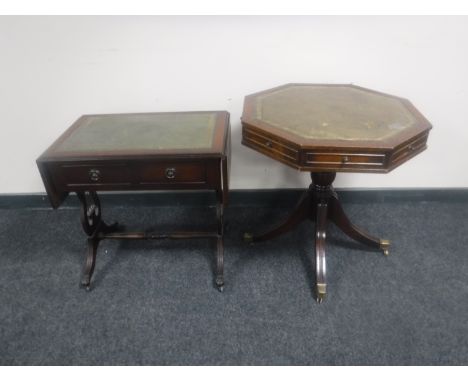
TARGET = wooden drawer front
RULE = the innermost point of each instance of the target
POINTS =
(342, 160)
(171, 173)
(273, 146)
(70, 175)
(410, 149)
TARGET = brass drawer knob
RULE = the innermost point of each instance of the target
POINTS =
(345, 159)
(269, 144)
(170, 173)
(94, 175)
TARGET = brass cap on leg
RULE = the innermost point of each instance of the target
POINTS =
(384, 245)
(321, 292)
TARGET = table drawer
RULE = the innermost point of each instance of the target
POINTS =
(70, 175)
(410, 149)
(344, 160)
(171, 172)
(274, 146)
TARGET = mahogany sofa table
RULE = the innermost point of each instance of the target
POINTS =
(325, 129)
(146, 151)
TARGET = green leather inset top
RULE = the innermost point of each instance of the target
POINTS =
(333, 112)
(164, 131)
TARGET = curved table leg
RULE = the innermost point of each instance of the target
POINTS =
(338, 216)
(94, 227)
(219, 278)
(300, 213)
(320, 236)
(90, 262)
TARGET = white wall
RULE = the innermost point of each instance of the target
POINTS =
(53, 69)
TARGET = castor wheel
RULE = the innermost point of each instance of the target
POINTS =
(248, 237)
(384, 246)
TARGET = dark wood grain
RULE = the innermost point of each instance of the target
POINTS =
(323, 158)
(320, 204)
(86, 173)
(333, 155)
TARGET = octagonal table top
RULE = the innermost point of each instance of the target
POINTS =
(336, 117)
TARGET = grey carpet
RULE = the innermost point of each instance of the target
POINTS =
(153, 302)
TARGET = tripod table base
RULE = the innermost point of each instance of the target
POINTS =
(320, 203)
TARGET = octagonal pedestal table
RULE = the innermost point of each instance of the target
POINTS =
(325, 129)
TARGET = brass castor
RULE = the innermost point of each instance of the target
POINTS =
(321, 292)
(248, 237)
(384, 245)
